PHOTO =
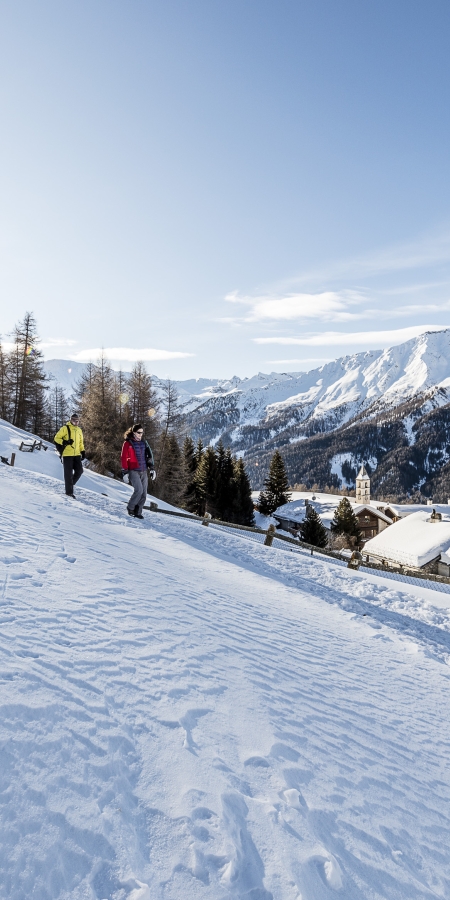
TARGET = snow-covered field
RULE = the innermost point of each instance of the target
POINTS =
(187, 714)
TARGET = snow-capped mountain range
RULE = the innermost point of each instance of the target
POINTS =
(330, 395)
(389, 409)
(327, 397)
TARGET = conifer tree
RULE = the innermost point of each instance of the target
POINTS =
(5, 386)
(171, 483)
(170, 419)
(141, 399)
(226, 489)
(206, 482)
(345, 522)
(101, 422)
(27, 377)
(57, 411)
(276, 486)
(243, 511)
(83, 385)
(192, 500)
(312, 529)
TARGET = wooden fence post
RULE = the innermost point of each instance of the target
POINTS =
(13, 459)
(269, 536)
(206, 519)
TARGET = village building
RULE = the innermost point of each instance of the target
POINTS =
(371, 520)
(420, 540)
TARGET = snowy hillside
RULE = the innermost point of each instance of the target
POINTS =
(188, 714)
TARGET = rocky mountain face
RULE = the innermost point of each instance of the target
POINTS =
(389, 409)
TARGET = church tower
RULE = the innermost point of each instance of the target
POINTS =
(362, 486)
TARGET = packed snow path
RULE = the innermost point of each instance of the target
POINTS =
(185, 714)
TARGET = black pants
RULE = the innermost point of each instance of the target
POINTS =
(73, 470)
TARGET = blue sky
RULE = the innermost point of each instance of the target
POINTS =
(224, 187)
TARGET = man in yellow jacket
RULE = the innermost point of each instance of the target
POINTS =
(70, 446)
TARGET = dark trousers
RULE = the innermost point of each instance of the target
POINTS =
(73, 470)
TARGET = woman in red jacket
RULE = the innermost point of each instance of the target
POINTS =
(136, 458)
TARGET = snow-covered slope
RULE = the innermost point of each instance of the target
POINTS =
(47, 462)
(185, 713)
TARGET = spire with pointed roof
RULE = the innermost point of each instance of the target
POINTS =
(362, 486)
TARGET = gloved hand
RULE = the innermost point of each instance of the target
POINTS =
(83, 455)
(125, 477)
(152, 474)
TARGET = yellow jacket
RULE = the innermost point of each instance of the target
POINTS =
(67, 433)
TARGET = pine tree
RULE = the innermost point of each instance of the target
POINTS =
(100, 420)
(171, 483)
(83, 385)
(206, 482)
(27, 377)
(312, 530)
(170, 419)
(345, 522)
(192, 500)
(276, 485)
(243, 510)
(142, 399)
(5, 386)
(57, 411)
(226, 489)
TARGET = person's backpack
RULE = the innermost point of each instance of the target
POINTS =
(64, 444)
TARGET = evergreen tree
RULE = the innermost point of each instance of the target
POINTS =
(170, 419)
(226, 488)
(5, 386)
(57, 411)
(27, 378)
(141, 399)
(276, 485)
(192, 500)
(243, 508)
(312, 530)
(206, 482)
(171, 483)
(83, 385)
(345, 522)
(101, 422)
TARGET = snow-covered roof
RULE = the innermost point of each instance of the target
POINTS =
(413, 540)
(406, 509)
(325, 506)
(362, 473)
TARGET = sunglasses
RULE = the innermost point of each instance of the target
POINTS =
(139, 432)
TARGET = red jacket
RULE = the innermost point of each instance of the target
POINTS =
(128, 457)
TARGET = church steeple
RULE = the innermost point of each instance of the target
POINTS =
(362, 486)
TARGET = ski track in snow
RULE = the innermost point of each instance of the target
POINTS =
(188, 714)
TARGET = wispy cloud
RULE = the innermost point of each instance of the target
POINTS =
(129, 354)
(327, 305)
(356, 338)
(302, 362)
(429, 250)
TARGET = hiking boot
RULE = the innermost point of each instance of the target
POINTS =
(131, 512)
(72, 496)
(138, 516)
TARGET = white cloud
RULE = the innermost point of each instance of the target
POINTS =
(356, 338)
(58, 342)
(302, 362)
(129, 354)
(328, 305)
